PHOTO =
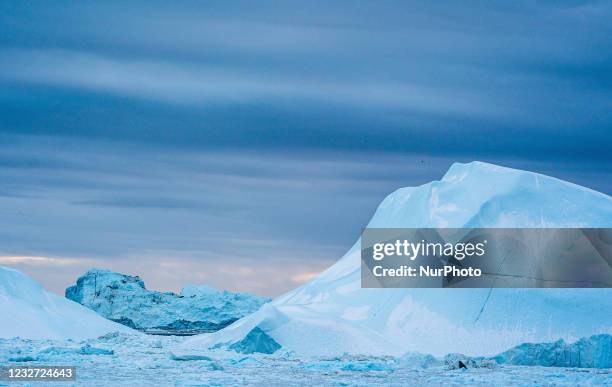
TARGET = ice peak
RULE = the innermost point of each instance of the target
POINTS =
(457, 171)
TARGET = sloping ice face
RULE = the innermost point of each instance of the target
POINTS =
(332, 314)
(30, 312)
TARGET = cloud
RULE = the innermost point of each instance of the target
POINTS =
(171, 273)
(519, 80)
(304, 277)
(38, 261)
(261, 137)
(229, 216)
(202, 85)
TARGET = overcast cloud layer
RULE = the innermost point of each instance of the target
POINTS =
(245, 145)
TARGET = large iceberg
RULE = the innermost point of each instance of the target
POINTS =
(29, 312)
(124, 299)
(332, 314)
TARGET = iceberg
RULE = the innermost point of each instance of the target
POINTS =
(125, 299)
(591, 352)
(333, 315)
(29, 312)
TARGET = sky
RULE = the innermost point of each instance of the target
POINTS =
(244, 145)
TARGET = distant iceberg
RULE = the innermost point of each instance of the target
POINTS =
(124, 299)
(29, 312)
(332, 314)
(591, 352)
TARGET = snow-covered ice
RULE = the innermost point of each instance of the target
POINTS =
(124, 299)
(332, 314)
(29, 311)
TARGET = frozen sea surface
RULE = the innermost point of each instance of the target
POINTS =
(141, 360)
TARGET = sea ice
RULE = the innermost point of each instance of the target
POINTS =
(143, 360)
